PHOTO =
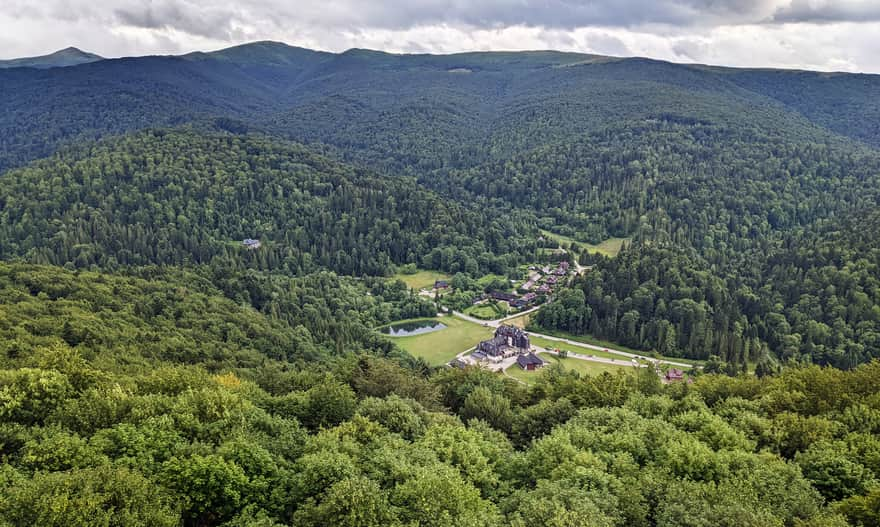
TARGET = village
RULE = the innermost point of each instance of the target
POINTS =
(482, 323)
(537, 288)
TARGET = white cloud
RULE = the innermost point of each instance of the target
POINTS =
(814, 34)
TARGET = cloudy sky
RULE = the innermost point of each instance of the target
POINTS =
(814, 34)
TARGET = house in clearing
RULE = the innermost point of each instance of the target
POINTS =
(441, 284)
(529, 362)
(674, 374)
(251, 243)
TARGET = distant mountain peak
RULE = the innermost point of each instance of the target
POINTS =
(69, 56)
(260, 52)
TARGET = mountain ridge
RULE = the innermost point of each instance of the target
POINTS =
(376, 105)
(69, 56)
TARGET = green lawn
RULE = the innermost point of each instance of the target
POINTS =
(583, 367)
(610, 247)
(439, 347)
(553, 344)
(421, 279)
(486, 311)
(558, 237)
(521, 321)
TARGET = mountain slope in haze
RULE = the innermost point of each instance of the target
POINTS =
(66, 57)
(411, 111)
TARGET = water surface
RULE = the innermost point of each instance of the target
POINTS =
(407, 329)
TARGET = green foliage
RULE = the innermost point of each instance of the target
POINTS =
(103, 496)
(165, 375)
(211, 488)
(176, 197)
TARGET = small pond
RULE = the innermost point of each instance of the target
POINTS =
(416, 327)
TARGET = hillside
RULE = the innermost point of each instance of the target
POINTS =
(156, 371)
(415, 111)
(59, 59)
(182, 196)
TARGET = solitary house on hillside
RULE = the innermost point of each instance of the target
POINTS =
(441, 284)
(250, 243)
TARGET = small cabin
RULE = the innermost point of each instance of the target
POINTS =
(441, 284)
(251, 243)
(529, 362)
(674, 374)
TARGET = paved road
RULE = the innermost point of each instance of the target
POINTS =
(608, 350)
(603, 360)
(496, 323)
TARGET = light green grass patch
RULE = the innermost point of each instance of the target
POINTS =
(584, 367)
(487, 310)
(440, 347)
(422, 279)
(610, 247)
(554, 344)
(588, 339)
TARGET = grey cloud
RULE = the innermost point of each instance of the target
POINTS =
(564, 14)
(689, 49)
(786, 33)
(827, 11)
(218, 17)
(606, 44)
(212, 22)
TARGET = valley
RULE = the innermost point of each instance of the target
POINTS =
(270, 286)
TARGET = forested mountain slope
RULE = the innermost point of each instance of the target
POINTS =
(419, 111)
(210, 316)
(710, 185)
(811, 296)
(178, 196)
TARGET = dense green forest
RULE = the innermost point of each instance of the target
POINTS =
(817, 300)
(154, 371)
(177, 197)
(153, 399)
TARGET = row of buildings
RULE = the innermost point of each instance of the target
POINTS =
(543, 281)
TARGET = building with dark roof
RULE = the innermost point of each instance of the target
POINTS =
(458, 363)
(505, 297)
(441, 284)
(529, 361)
(508, 340)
